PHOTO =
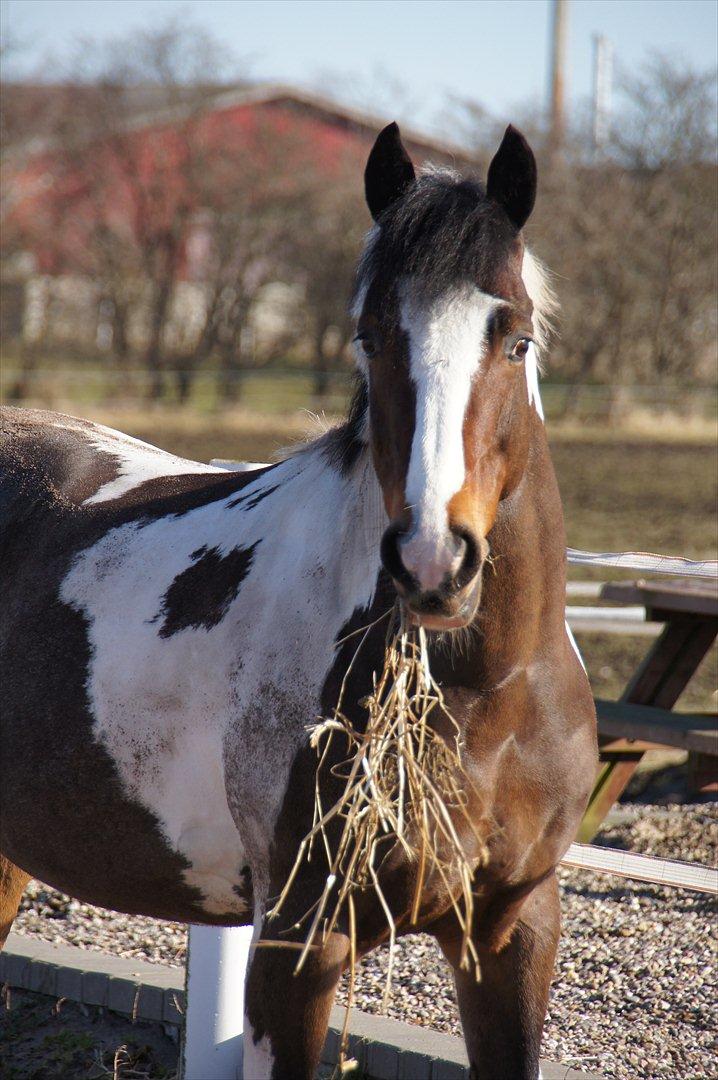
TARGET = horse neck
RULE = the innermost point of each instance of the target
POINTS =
(339, 508)
(522, 610)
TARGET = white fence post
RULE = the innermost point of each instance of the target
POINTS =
(217, 959)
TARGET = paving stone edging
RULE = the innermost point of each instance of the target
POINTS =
(137, 989)
(385, 1049)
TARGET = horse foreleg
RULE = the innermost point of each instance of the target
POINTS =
(287, 1014)
(503, 1014)
(12, 885)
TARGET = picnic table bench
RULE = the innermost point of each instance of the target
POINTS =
(643, 717)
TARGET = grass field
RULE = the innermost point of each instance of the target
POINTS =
(94, 383)
(635, 489)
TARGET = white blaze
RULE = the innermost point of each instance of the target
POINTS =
(447, 340)
(532, 379)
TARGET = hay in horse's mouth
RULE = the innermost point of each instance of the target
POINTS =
(403, 782)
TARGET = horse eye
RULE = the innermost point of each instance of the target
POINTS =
(367, 343)
(520, 350)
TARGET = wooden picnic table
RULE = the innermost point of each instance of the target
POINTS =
(643, 717)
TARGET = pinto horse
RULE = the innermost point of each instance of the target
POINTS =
(171, 630)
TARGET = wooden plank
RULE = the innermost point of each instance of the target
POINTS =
(700, 635)
(664, 673)
(614, 627)
(659, 681)
(605, 620)
(584, 588)
(703, 774)
(624, 719)
(693, 600)
(633, 613)
(608, 745)
(629, 864)
(614, 774)
(665, 588)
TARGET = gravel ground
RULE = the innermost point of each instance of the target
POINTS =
(634, 995)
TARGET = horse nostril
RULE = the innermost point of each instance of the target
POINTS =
(391, 558)
(468, 548)
(460, 549)
(419, 567)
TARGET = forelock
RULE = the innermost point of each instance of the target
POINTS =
(445, 232)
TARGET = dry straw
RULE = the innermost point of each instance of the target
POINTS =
(404, 785)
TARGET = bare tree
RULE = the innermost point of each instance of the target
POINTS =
(325, 260)
(631, 233)
(133, 161)
(254, 195)
(136, 181)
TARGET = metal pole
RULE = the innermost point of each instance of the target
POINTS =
(217, 961)
(602, 85)
(559, 35)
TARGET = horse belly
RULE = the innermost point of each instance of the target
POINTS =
(165, 738)
(112, 789)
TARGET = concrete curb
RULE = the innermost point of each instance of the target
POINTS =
(385, 1049)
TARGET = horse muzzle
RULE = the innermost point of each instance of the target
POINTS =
(438, 580)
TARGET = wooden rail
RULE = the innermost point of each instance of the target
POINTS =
(629, 864)
(629, 723)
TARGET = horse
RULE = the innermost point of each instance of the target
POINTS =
(171, 631)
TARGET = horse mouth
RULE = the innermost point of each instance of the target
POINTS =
(437, 612)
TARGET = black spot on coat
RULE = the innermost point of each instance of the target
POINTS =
(201, 594)
(248, 502)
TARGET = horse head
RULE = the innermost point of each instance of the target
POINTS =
(446, 346)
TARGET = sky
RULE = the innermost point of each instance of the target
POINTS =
(404, 57)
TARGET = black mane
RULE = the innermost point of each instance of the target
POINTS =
(344, 444)
(444, 232)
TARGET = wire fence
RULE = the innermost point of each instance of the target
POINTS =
(280, 389)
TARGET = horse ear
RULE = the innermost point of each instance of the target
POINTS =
(511, 180)
(389, 171)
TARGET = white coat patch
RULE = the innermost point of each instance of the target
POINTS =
(257, 1057)
(574, 645)
(203, 725)
(137, 461)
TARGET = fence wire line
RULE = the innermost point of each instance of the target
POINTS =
(646, 562)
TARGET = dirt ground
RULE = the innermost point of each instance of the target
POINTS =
(42, 1038)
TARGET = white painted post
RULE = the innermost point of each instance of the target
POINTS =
(217, 960)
